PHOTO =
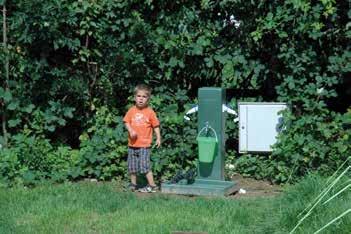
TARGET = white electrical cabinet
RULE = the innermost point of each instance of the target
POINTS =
(259, 124)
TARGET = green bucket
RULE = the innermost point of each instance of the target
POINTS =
(207, 148)
(207, 145)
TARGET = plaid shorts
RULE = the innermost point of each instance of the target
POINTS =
(138, 160)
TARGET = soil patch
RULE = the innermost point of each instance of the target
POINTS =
(248, 187)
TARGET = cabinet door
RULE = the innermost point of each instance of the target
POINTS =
(259, 124)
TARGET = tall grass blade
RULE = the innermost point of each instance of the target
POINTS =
(321, 196)
(322, 193)
(337, 218)
(335, 195)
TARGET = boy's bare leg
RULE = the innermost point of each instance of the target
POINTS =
(133, 178)
(150, 178)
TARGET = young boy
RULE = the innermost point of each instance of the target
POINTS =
(140, 121)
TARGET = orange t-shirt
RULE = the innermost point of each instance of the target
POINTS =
(142, 121)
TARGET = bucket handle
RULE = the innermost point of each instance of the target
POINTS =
(209, 127)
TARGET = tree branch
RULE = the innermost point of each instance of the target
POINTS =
(4, 36)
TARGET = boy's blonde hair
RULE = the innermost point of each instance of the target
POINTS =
(143, 87)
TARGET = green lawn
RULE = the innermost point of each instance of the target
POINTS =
(104, 208)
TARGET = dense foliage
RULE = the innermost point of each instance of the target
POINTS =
(73, 65)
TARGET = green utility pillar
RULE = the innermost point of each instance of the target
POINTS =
(210, 171)
(212, 117)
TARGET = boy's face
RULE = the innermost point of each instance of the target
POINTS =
(141, 98)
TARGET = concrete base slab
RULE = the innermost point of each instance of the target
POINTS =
(201, 187)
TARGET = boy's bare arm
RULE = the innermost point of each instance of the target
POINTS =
(131, 131)
(158, 136)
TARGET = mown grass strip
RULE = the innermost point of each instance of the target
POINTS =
(105, 208)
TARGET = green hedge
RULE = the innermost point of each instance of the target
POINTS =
(70, 60)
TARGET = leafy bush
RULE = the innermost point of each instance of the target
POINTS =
(32, 159)
(11, 169)
(80, 55)
(178, 135)
(319, 142)
(62, 159)
(103, 148)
